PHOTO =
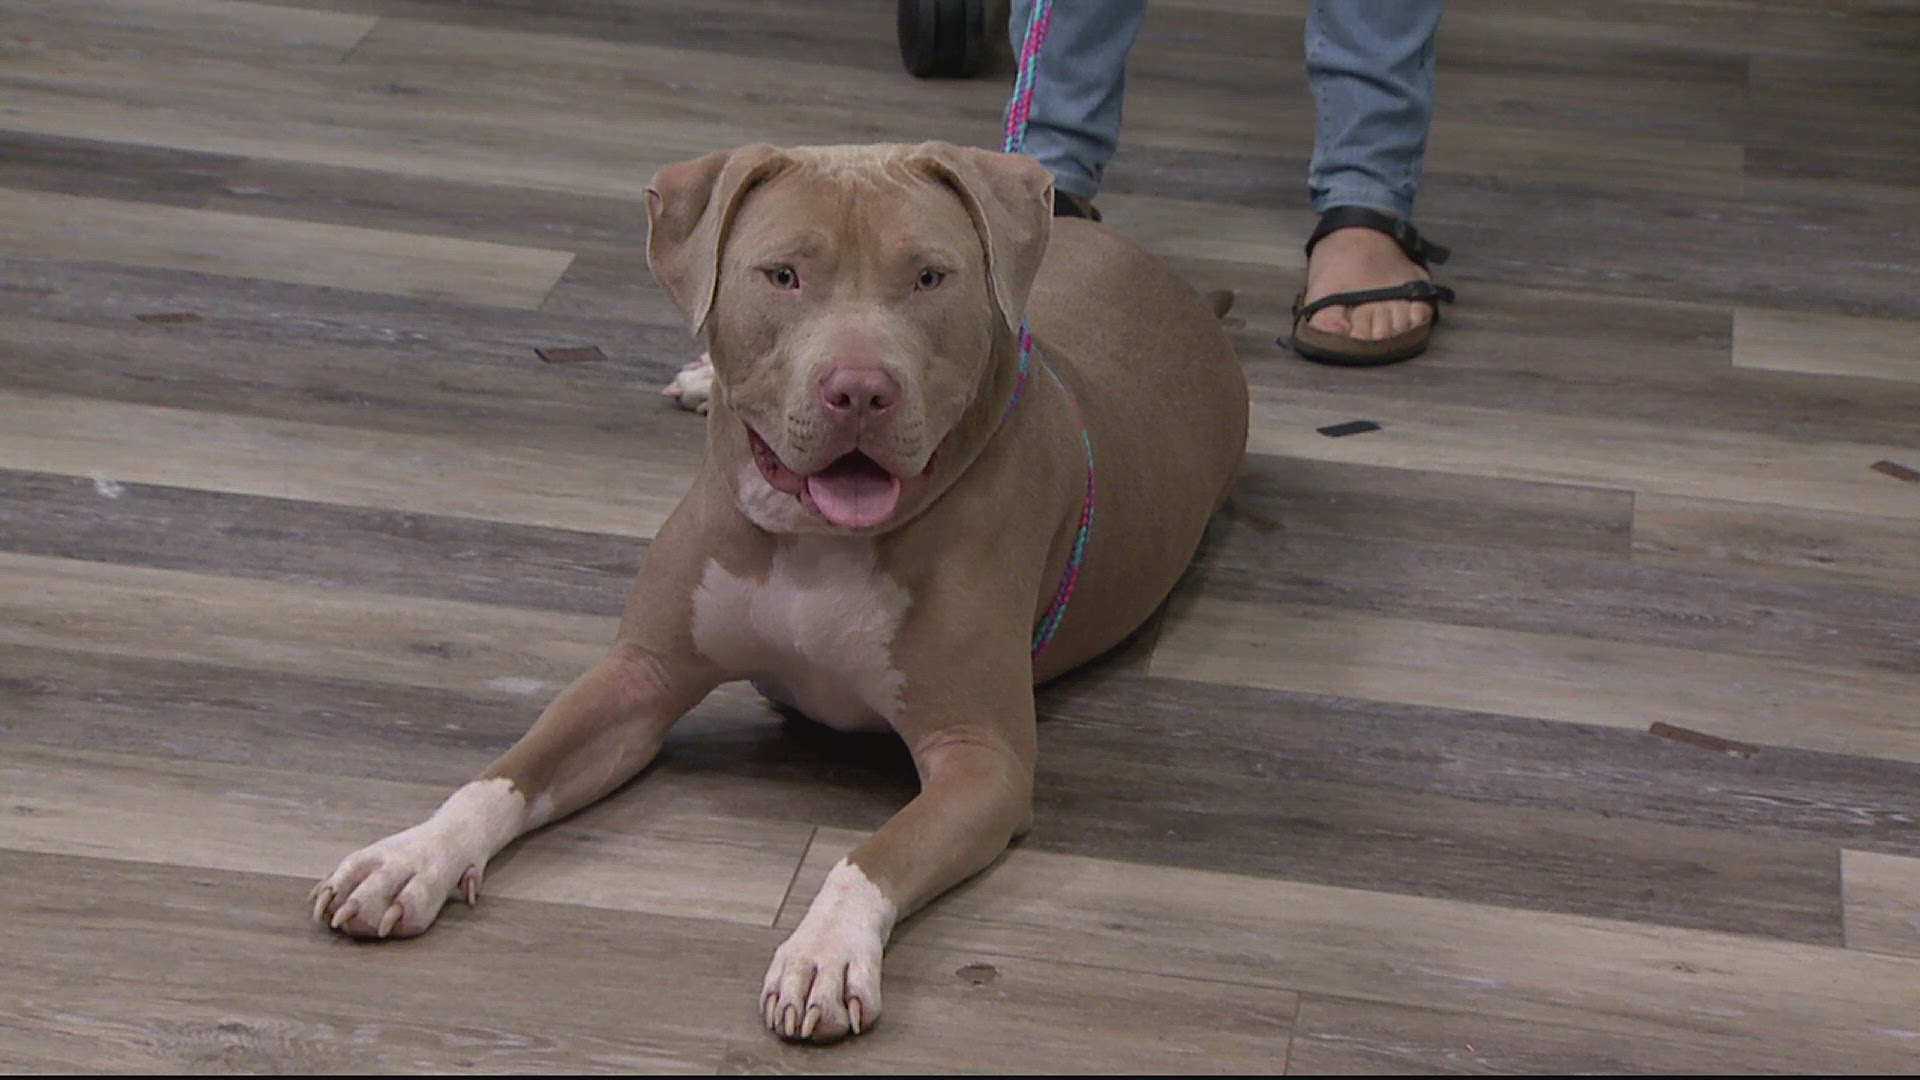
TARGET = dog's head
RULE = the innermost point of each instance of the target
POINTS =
(860, 305)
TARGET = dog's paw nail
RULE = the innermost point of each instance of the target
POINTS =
(394, 914)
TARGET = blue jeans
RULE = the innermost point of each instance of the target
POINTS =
(1370, 66)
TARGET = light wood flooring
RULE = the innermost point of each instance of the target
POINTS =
(1568, 722)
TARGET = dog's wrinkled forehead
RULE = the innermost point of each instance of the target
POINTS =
(835, 201)
(692, 207)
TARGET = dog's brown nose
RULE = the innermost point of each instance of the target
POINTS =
(858, 390)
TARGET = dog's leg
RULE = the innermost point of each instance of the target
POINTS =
(597, 734)
(972, 737)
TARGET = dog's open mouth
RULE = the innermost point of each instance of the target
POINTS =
(853, 491)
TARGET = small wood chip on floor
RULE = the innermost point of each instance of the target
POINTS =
(1897, 471)
(1351, 427)
(1702, 739)
(571, 355)
(978, 973)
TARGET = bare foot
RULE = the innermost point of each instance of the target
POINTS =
(1351, 259)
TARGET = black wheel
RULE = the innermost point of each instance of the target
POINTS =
(950, 39)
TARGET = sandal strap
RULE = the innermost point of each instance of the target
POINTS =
(1067, 204)
(1421, 250)
(1417, 289)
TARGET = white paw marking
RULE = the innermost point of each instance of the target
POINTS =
(693, 387)
(817, 634)
(396, 886)
(824, 982)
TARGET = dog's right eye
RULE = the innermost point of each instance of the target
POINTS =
(783, 277)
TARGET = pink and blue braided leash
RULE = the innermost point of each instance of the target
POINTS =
(1038, 21)
(1018, 110)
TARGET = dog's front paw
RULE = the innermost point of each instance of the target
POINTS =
(824, 982)
(693, 387)
(822, 987)
(395, 887)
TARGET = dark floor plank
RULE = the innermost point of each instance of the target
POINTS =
(1811, 176)
(732, 754)
(271, 316)
(238, 716)
(354, 359)
(1710, 249)
(112, 170)
(306, 543)
(1802, 96)
(1562, 860)
(1263, 737)
(1298, 497)
(1777, 542)
(739, 27)
(1835, 623)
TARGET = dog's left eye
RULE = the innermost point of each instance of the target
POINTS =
(783, 277)
(929, 278)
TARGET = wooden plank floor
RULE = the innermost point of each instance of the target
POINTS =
(1400, 780)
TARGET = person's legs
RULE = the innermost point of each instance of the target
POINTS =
(1370, 67)
(1074, 126)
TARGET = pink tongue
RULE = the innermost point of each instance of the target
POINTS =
(854, 498)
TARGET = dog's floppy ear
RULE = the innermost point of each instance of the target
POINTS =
(1010, 198)
(689, 206)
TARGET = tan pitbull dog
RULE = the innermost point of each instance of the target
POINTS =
(874, 534)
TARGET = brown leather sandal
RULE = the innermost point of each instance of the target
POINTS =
(1324, 347)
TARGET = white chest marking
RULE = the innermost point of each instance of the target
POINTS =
(817, 634)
